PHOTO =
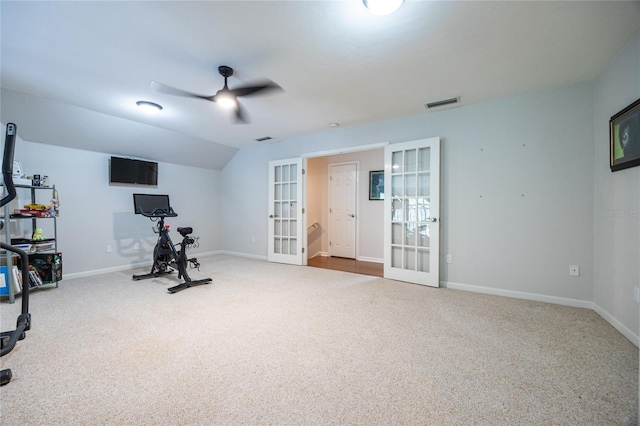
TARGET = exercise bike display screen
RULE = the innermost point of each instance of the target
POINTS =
(149, 203)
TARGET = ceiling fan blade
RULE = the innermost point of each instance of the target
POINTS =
(241, 116)
(158, 87)
(250, 90)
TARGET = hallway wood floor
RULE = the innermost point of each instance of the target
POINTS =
(347, 265)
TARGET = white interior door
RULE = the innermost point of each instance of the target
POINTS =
(342, 210)
(412, 211)
(285, 211)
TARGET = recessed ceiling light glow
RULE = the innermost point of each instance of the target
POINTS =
(149, 107)
(382, 7)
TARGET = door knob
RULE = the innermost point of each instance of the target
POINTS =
(272, 216)
(433, 219)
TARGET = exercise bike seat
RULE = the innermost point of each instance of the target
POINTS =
(185, 231)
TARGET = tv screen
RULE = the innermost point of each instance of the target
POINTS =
(127, 170)
(148, 203)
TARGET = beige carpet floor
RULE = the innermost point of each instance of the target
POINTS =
(285, 345)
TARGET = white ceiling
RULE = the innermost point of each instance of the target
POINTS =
(71, 72)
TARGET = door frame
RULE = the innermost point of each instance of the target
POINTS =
(327, 153)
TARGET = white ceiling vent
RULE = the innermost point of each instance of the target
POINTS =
(442, 103)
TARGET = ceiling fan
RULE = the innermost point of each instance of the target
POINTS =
(225, 97)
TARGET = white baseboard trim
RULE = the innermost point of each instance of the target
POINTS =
(125, 267)
(250, 256)
(370, 259)
(624, 330)
(320, 253)
(576, 303)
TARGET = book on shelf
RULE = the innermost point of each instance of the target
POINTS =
(4, 280)
(34, 279)
(16, 279)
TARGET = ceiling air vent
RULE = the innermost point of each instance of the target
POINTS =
(263, 139)
(443, 102)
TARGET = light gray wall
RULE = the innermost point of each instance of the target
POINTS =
(94, 213)
(370, 231)
(517, 194)
(617, 196)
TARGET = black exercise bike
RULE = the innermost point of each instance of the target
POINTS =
(8, 339)
(166, 258)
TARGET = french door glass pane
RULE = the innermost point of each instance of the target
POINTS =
(410, 259)
(278, 192)
(396, 186)
(293, 246)
(396, 257)
(410, 161)
(294, 172)
(276, 245)
(285, 173)
(293, 209)
(396, 233)
(409, 234)
(410, 185)
(278, 174)
(294, 191)
(423, 260)
(424, 160)
(292, 228)
(423, 210)
(410, 209)
(424, 235)
(424, 184)
(396, 210)
(396, 162)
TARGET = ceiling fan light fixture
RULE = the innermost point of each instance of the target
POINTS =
(382, 7)
(226, 100)
(149, 107)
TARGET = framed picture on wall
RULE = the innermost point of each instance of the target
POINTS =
(624, 138)
(376, 185)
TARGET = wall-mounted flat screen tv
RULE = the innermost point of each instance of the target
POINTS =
(127, 170)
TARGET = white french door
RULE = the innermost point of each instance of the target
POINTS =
(285, 211)
(342, 210)
(412, 211)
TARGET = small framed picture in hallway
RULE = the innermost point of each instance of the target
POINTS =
(376, 185)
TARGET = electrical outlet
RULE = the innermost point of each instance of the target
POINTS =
(449, 258)
(109, 248)
(136, 246)
(574, 270)
(636, 294)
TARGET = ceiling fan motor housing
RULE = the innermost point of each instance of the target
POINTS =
(225, 71)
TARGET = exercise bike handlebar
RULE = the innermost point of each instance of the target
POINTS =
(159, 213)
(7, 164)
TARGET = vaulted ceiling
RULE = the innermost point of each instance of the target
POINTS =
(71, 72)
